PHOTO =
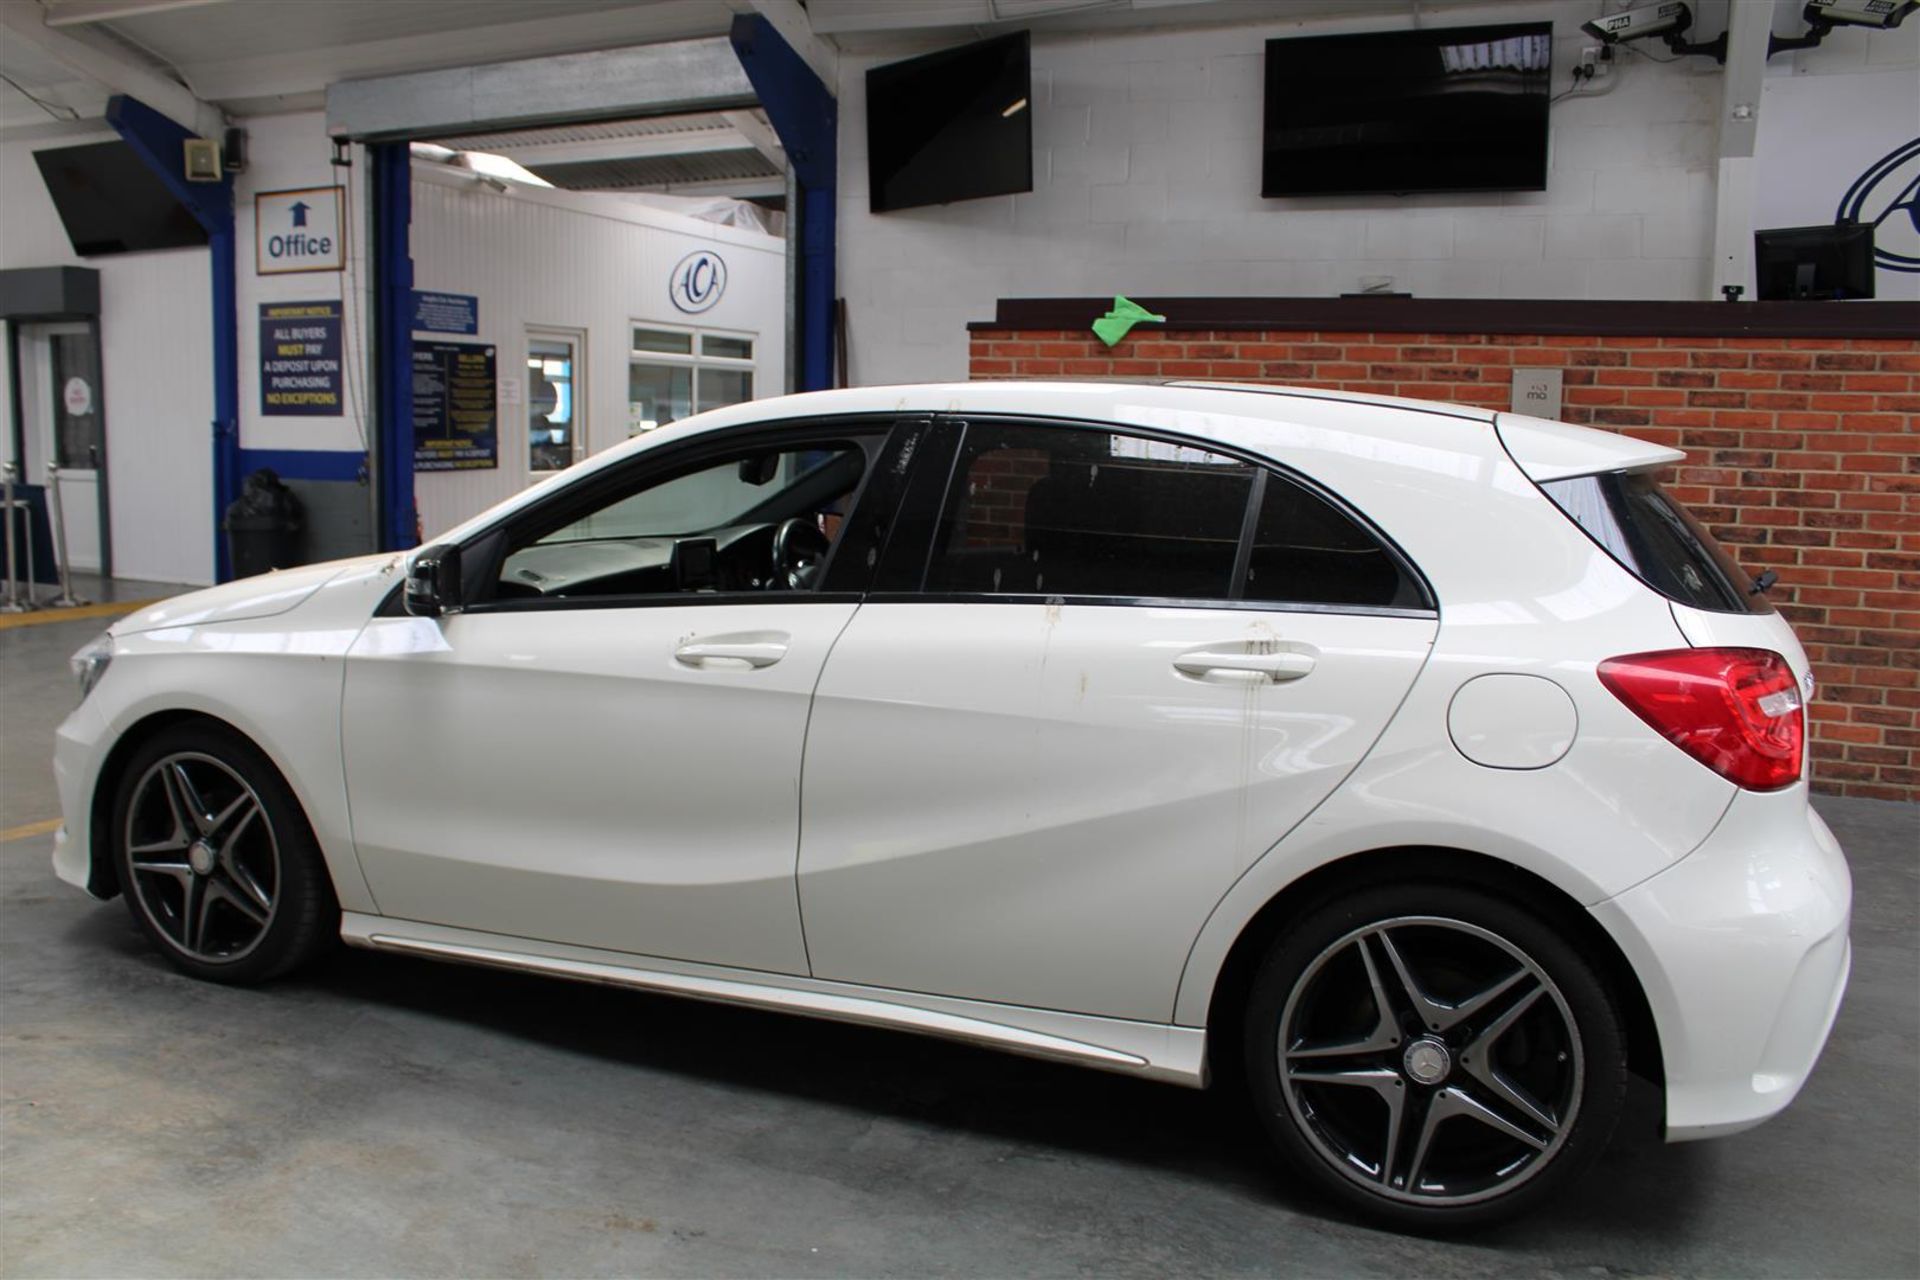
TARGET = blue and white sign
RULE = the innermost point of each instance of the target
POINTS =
(698, 281)
(445, 312)
(295, 231)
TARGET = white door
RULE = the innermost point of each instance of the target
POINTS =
(604, 748)
(63, 424)
(1032, 778)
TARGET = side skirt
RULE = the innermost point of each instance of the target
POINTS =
(1177, 1055)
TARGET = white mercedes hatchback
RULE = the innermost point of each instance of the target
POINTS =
(1422, 769)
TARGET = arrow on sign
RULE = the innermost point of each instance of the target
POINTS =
(299, 210)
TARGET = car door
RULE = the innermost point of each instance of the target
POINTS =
(604, 748)
(1116, 670)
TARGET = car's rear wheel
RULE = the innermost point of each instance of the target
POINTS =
(1433, 1055)
(216, 860)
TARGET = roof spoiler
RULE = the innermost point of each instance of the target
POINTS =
(1557, 450)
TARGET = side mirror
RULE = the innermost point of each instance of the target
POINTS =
(433, 582)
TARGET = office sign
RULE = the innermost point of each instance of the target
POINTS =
(300, 375)
(445, 312)
(295, 231)
(456, 414)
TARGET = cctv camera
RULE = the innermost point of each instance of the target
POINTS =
(1859, 13)
(1669, 18)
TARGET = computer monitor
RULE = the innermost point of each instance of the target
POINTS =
(1814, 262)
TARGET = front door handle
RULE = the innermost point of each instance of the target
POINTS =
(1276, 667)
(725, 653)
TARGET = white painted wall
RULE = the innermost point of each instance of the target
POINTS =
(574, 261)
(286, 153)
(1147, 179)
(1826, 116)
(156, 334)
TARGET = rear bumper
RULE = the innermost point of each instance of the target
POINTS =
(1743, 952)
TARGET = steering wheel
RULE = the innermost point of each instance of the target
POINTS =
(799, 551)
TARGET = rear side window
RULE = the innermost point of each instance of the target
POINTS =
(1655, 538)
(1060, 511)
(1307, 551)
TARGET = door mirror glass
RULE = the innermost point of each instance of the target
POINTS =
(433, 582)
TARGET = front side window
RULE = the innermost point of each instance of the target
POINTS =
(748, 520)
(673, 373)
(1056, 511)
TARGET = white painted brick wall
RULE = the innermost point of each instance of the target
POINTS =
(1147, 181)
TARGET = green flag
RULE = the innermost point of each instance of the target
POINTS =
(1126, 313)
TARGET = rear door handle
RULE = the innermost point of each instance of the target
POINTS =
(725, 654)
(1276, 667)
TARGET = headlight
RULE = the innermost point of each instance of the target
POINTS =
(90, 661)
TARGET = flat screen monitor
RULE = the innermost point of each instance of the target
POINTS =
(1440, 109)
(1814, 262)
(953, 125)
(110, 202)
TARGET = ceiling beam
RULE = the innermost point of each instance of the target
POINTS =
(759, 134)
(740, 187)
(677, 78)
(76, 13)
(646, 145)
(791, 20)
(118, 74)
(220, 76)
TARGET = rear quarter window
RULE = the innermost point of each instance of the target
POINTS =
(1658, 540)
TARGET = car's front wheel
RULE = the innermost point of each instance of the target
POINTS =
(1433, 1055)
(216, 860)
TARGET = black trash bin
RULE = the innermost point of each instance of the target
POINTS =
(263, 526)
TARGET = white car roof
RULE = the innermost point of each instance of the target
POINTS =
(1324, 432)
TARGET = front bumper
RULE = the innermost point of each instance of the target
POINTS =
(1743, 953)
(76, 765)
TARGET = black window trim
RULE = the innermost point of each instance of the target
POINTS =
(1262, 467)
(577, 500)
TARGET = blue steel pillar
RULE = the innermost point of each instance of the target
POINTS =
(807, 120)
(392, 167)
(158, 140)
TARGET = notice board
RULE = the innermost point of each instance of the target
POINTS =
(456, 417)
(300, 359)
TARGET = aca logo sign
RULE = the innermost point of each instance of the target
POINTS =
(1887, 198)
(698, 281)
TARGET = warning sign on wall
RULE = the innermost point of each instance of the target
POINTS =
(300, 359)
(456, 412)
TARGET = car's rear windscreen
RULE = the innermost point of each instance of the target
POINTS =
(1641, 525)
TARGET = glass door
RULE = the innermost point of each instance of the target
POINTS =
(556, 405)
(65, 425)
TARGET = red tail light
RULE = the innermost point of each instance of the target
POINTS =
(1737, 711)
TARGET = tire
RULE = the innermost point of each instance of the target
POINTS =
(1493, 1081)
(216, 860)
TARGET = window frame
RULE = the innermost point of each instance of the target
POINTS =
(486, 551)
(902, 574)
(694, 360)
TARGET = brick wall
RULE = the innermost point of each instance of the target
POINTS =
(1803, 458)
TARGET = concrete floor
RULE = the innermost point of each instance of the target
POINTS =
(390, 1117)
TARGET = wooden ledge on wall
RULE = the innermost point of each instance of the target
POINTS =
(1589, 318)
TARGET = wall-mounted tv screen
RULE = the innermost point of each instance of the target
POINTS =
(953, 125)
(111, 202)
(1441, 109)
